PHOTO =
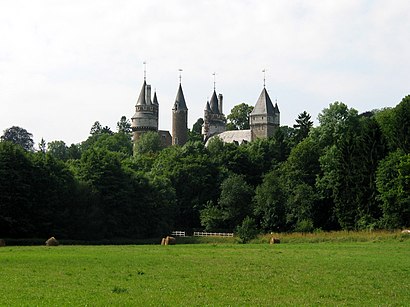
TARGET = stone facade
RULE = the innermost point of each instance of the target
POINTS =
(179, 119)
(264, 119)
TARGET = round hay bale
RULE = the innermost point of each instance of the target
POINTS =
(52, 242)
(2, 242)
(163, 241)
(407, 231)
(274, 240)
(171, 240)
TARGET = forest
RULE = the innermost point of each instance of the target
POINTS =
(350, 172)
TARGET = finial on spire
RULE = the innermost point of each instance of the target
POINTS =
(214, 74)
(145, 70)
(180, 75)
(264, 77)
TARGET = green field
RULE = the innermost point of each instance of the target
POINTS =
(328, 274)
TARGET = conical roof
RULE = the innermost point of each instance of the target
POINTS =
(276, 108)
(155, 99)
(264, 104)
(214, 103)
(180, 100)
(208, 107)
(141, 99)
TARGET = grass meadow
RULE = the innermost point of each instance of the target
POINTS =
(370, 273)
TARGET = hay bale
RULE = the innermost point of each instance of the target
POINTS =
(274, 240)
(163, 241)
(407, 231)
(52, 242)
(170, 241)
(2, 242)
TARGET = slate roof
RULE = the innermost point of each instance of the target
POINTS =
(264, 104)
(155, 99)
(231, 136)
(213, 103)
(141, 99)
(180, 100)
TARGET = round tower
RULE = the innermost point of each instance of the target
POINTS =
(146, 113)
(179, 119)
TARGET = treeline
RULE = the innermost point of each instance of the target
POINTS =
(351, 172)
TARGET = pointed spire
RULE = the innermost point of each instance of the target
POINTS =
(208, 107)
(276, 106)
(155, 99)
(141, 99)
(214, 103)
(264, 104)
(180, 100)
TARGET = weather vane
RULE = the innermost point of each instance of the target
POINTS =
(214, 74)
(180, 75)
(264, 77)
(145, 70)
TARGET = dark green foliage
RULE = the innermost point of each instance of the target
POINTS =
(239, 117)
(195, 134)
(19, 136)
(124, 125)
(247, 230)
(350, 172)
(270, 199)
(233, 205)
(393, 184)
(302, 126)
(148, 143)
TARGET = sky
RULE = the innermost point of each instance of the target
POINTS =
(66, 64)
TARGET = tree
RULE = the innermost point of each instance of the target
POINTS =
(19, 136)
(393, 184)
(247, 230)
(302, 126)
(196, 133)
(124, 125)
(239, 117)
(193, 175)
(270, 203)
(16, 192)
(148, 143)
(234, 204)
(42, 146)
(58, 149)
(395, 124)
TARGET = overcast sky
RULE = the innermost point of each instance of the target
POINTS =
(66, 64)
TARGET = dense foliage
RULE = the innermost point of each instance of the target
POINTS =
(350, 172)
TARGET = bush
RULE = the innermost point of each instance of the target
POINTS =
(248, 230)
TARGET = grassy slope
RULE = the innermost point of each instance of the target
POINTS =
(361, 273)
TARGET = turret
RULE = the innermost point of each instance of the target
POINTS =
(179, 119)
(264, 119)
(146, 113)
(214, 119)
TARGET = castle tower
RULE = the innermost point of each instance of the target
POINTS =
(265, 118)
(214, 119)
(146, 113)
(179, 119)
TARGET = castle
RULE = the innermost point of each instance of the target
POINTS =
(264, 119)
